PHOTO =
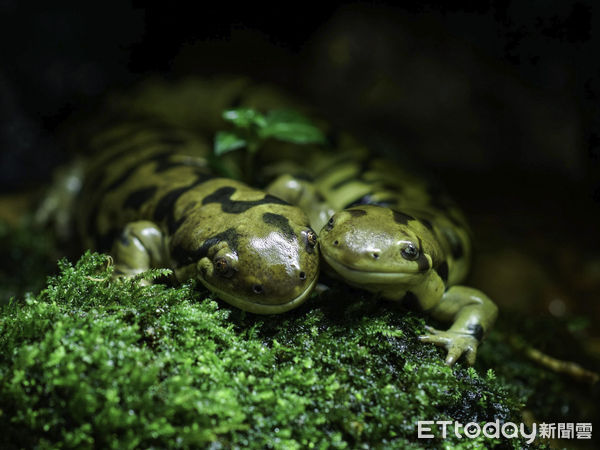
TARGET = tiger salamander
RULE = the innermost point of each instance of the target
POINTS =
(149, 198)
(387, 231)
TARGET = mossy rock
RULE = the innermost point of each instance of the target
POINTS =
(89, 362)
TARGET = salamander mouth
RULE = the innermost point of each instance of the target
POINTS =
(262, 308)
(367, 277)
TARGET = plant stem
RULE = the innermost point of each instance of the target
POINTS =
(249, 160)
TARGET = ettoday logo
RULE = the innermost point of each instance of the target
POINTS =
(473, 430)
(508, 430)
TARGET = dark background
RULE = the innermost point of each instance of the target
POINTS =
(498, 99)
(514, 59)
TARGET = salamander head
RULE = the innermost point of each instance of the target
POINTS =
(372, 245)
(264, 261)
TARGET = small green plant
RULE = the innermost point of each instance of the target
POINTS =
(253, 128)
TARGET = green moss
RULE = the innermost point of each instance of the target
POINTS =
(93, 362)
(89, 362)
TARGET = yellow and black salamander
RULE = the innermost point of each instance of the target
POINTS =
(383, 229)
(149, 198)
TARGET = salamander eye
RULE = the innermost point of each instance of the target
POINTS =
(410, 252)
(223, 268)
(330, 224)
(311, 238)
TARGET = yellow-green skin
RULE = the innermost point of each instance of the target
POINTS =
(150, 199)
(385, 230)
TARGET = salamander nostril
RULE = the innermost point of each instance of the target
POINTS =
(376, 255)
(302, 276)
(257, 288)
(336, 243)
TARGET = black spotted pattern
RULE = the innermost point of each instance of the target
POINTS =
(422, 262)
(476, 331)
(223, 197)
(165, 208)
(442, 271)
(369, 200)
(280, 222)
(402, 218)
(456, 248)
(132, 169)
(137, 198)
(427, 224)
(357, 212)
(184, 256)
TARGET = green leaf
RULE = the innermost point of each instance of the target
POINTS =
(291, 126)
(227, 141)
(245, 117)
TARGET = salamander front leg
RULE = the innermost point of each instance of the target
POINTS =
(472, 314)
(140, 246)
